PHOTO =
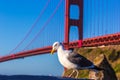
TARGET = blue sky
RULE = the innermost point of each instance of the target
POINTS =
(17, 17)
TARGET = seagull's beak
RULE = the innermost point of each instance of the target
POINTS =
(52, 51)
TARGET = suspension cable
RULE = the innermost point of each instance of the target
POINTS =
(43, 27)
(34, 24)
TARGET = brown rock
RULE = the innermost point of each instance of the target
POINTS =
(108, 72)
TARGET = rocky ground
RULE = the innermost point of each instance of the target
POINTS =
(112, 53)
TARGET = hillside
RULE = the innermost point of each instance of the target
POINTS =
(111, 52)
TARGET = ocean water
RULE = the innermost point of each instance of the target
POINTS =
(28, 77)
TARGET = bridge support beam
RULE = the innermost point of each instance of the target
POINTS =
(73, 22)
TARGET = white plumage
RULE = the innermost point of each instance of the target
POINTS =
(63, 58)
(72, 60)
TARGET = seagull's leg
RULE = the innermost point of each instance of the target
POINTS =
(77, 72)
(65, 69)
(63, 73)
(71, 73)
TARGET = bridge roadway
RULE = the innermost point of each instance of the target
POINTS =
(110, 39)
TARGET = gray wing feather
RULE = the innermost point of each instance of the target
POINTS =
(80, 60)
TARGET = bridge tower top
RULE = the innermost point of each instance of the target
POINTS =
(73, 22)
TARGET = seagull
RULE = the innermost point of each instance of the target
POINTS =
(72, 60)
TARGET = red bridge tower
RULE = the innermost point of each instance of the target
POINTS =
(73, 22)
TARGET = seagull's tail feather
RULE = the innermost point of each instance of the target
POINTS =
(97, 68)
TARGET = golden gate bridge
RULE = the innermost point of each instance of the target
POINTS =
(85, 22)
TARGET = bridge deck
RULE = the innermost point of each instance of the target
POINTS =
(111, 39)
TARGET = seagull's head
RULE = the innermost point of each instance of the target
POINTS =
(55, 46)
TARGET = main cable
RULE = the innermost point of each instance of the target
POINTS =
(43, 27)
(34, 24)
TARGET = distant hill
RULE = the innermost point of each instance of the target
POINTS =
(30, 77)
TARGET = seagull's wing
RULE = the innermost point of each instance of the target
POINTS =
(68, 51)
(79, 60)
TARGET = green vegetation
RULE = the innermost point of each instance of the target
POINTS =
(111, 52)
(117, 68)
